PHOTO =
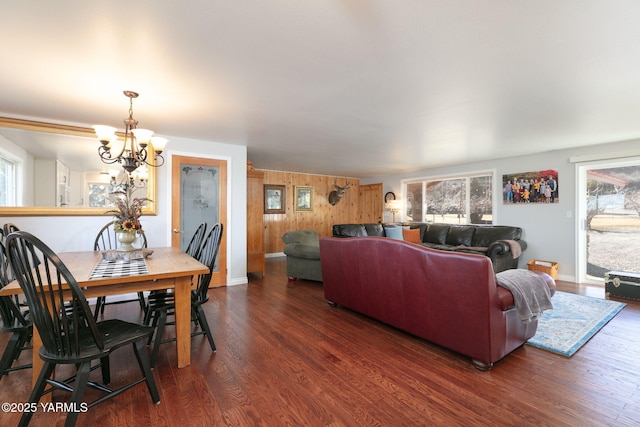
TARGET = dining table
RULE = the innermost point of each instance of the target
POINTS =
(164, 268)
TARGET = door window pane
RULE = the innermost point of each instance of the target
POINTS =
(199, 200)
(613, 220)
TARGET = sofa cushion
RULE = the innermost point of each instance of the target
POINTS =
(486, 235)
(422, 226)
(436, 233)
(393, 232)
(349, 230)
(411, 235)
(460, 235)
(374, 229)
(440, 247)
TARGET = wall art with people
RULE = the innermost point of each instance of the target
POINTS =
(530, 187)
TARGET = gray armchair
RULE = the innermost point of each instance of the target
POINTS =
(302, 248)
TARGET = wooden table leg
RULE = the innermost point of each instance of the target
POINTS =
(183, 320)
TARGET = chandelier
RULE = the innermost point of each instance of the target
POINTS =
(137, 145)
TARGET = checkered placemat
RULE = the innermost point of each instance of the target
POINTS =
(119, 268)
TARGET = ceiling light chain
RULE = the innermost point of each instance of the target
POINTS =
(134, 151)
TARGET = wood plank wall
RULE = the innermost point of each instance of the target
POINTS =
(323, 216)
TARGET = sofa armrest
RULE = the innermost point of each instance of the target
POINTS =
(303, 237)
(501, 256)
(501, 246)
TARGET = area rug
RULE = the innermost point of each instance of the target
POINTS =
(572, 322)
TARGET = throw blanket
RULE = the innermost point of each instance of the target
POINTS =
(531, 294)
(514, 247)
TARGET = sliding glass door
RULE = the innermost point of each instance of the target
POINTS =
(609, 207)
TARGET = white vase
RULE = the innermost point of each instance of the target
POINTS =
(126, 238)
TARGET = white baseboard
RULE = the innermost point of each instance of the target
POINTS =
(274, 255)
(238, 281)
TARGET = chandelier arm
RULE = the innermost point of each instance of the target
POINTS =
(105, 156)
(120, 153)
(142, 155)
(159, 163)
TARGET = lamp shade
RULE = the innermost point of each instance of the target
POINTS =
(143, 136)
(394, 205)
(104, 133)
(158, 143)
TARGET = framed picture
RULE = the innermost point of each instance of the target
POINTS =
(274, 199)
(531, 187)
(304, 199)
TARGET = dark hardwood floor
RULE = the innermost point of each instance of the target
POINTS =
(286, 358)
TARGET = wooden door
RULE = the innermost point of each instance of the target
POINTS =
(370, 203)
(199, 193)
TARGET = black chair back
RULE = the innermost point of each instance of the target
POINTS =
(195, 244)
(107, 238)
(13, 321)
(208, 256)
(6, 273)
(9, 228)
(12, 317)
(45, 283)
(10, 313)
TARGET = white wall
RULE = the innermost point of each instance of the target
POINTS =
(75, 233)
(549, 230)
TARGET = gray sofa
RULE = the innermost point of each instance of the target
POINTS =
(302, 248)
(501, 243)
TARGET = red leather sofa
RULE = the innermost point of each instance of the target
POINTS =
(448, 298)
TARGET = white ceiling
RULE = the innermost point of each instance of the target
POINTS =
(347, 87)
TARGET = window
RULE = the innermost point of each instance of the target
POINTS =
(460, 199)
(7, 182)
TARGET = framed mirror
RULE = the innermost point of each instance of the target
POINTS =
(54, 169)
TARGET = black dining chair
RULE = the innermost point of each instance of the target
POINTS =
(13, 320)
(193, 248)
(107, 239)
(69, 333)
(163, 306)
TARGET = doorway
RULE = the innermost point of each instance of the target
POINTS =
(199, 193)
(609, 230)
